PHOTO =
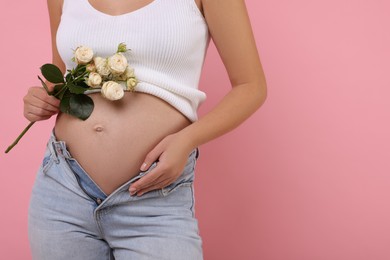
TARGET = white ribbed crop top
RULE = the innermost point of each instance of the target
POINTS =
(168, 41)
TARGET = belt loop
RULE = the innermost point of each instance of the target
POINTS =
(64, 150)
(53, 149)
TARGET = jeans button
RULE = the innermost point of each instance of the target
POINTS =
(99, 201)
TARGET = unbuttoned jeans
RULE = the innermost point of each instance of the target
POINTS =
(71, 218)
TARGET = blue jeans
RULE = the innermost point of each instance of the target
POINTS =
(70, 217)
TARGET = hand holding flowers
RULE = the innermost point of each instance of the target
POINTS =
(110, 76)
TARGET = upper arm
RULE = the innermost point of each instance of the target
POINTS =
(55, 11)
(231, 31)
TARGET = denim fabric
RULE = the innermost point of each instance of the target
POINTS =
(70, 217)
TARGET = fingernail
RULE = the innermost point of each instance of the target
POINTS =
(143, 167)
(132, 190)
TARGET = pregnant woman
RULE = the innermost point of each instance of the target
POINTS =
(119, 185)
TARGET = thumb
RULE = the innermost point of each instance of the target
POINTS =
(151, 157)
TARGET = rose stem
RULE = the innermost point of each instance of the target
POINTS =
(20, 136)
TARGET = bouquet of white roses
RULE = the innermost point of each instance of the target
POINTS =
(110, 76)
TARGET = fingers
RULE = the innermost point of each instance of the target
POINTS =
(155, 179)
(151, 179)
(146, 181)
(33, 113)
(36, 113)
(151, 157)
(40, 98)
(158, 184)
(171, 161)
(38, 105)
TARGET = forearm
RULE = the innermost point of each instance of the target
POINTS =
(240, 103)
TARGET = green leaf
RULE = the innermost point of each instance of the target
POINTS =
(52, 73)
(64, 104)
(81, 106)
(80, 69)
(75, 89)
(59, 90)
(68, 77)
(81, 76)
(83, 84)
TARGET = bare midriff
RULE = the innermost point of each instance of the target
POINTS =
(112, 143)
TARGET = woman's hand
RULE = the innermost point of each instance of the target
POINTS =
(172, 153)
(38, 105)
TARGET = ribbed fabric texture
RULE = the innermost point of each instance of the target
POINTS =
(168, 41)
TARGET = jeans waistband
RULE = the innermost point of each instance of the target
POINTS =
(58, 149)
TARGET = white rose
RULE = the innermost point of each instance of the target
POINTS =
(90, 67)
(129, 72)
(83, 54)
(94, 79)
(101, 66)
(131, 83)
(112, 90)
(117, 63)
(121, 77)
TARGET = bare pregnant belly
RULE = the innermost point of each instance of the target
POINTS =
(113, 142)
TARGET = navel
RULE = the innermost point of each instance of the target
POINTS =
(98, 128)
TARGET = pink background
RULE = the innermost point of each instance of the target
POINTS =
(305, 178)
